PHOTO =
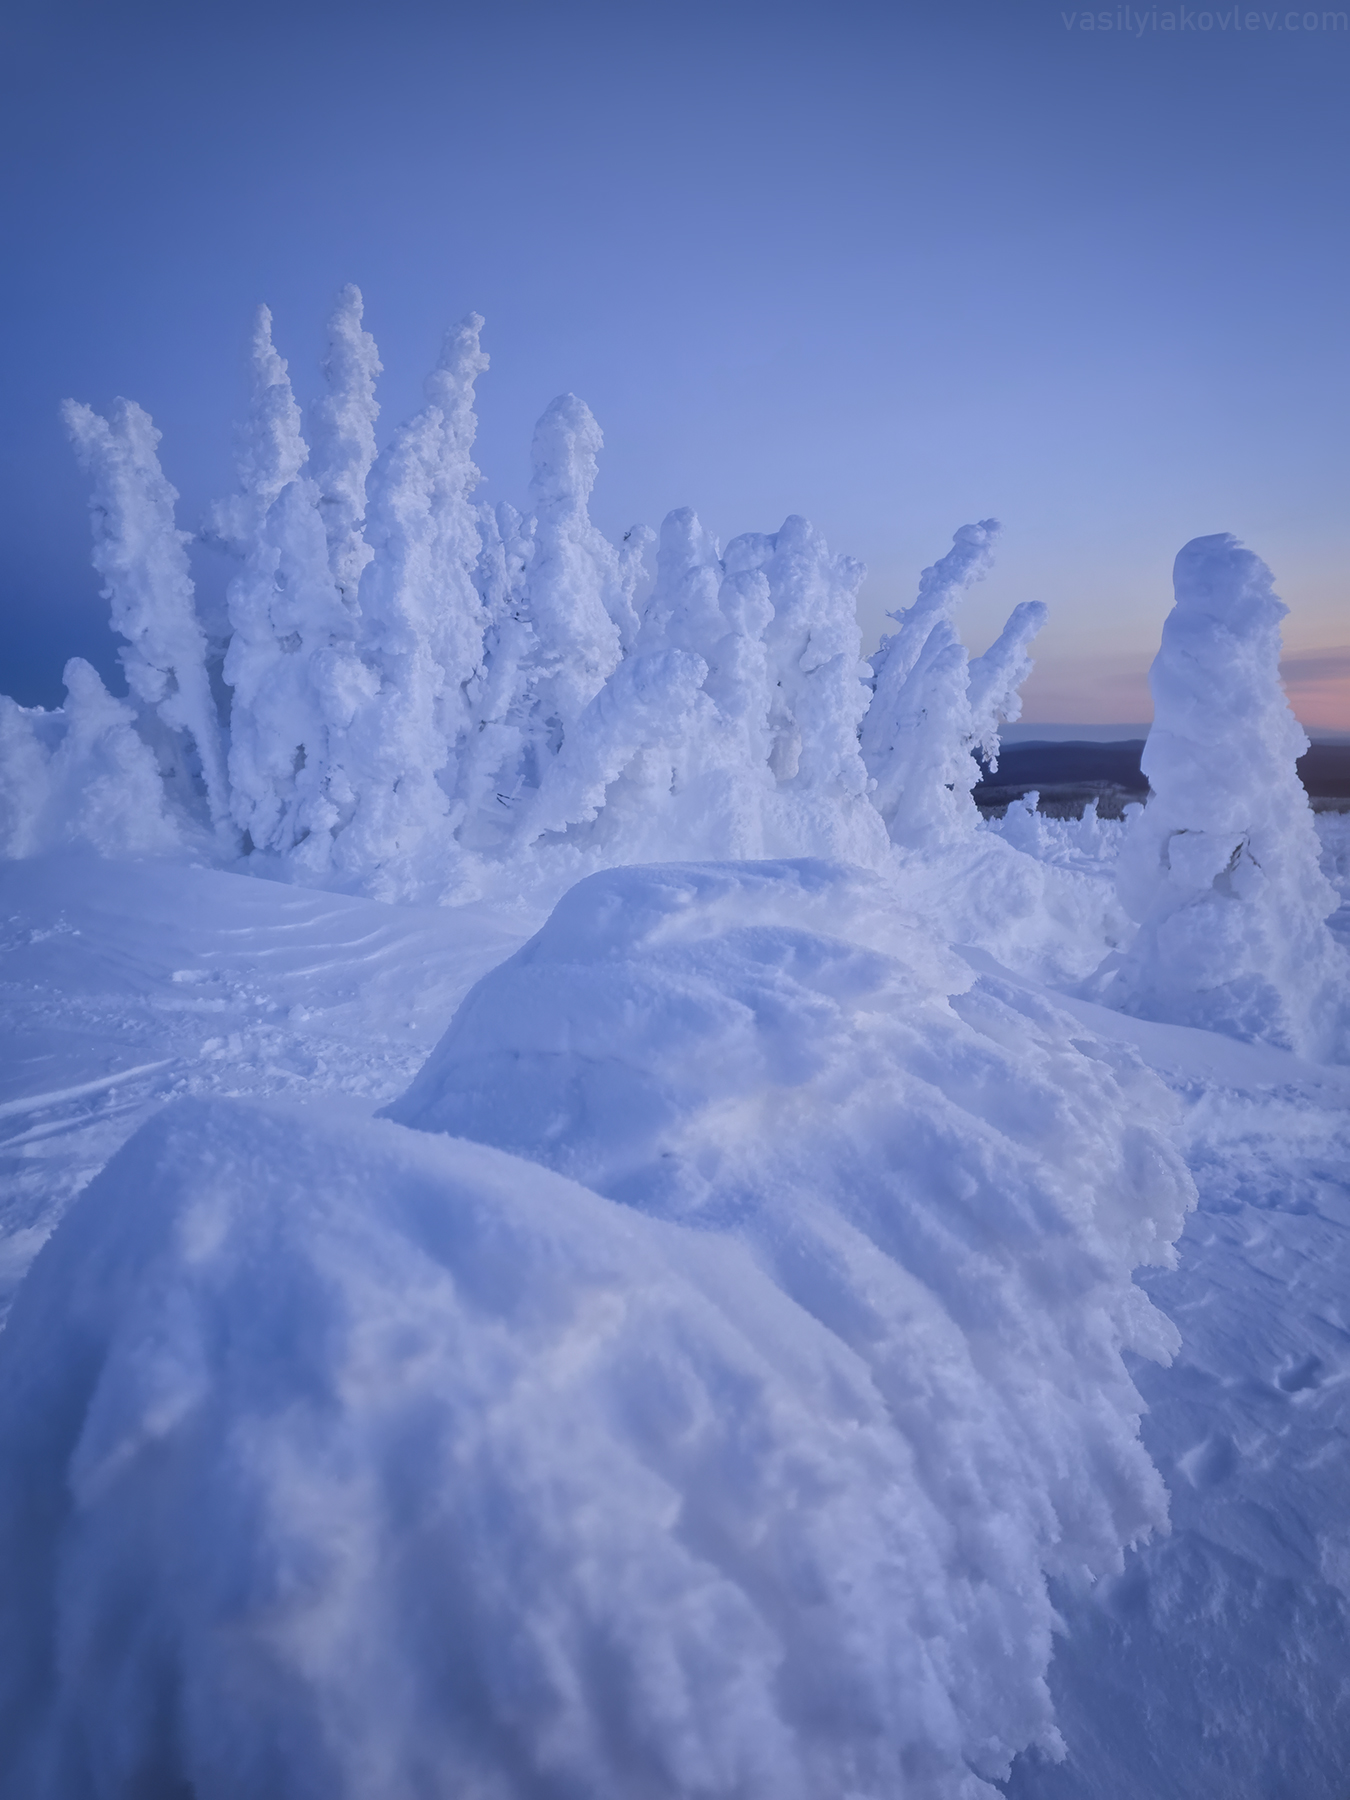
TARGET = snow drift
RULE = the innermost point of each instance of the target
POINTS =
(343, 1457)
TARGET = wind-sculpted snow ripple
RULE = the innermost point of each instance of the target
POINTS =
(341, 1457)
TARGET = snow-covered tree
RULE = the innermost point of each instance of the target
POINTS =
(995, 691)
(81, 775)
(652, 755)
(1221, 867)
(139, 551)
(932, 707)
(571, 587)
(422, 629)
(342, 430)
(292, 662)
(430, 697)
(817, 692)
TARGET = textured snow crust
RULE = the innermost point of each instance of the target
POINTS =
(430, 1469)
(1206, 1666)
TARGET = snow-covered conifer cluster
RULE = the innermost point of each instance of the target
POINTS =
(417, 690)
(420, 697)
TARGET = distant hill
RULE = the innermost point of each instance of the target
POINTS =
(1068, 774)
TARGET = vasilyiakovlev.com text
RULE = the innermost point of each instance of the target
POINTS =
(1127, 19)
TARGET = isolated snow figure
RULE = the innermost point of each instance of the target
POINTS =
(343, 433)
(81, 775)
(422, 628)
(1221, 867)
(292, 662)
(139, 551)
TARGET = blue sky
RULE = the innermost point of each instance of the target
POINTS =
(893, 267)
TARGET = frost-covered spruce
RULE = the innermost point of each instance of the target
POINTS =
(574, 592)
(931, 706)
(994, 694)
(422, 627)
(1221, 867)
(80, 775)
(291, 664)
(662, 751)
(139, 551)
(342, 433)
(889, 722)
(817, 692)
(732, 728)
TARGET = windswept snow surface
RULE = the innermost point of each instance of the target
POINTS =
(345, 1456)
(124, 984)
(430, 1468)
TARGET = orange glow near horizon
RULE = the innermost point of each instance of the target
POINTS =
(1318, 685)
(1111, 690)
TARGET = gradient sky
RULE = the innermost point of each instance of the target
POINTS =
(891, 266)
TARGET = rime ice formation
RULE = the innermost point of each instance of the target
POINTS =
(422, 634)
(428, 698)
(93, 781)
(139, 551)
(291, 663)
(932, 707)
(1221, 868)
(343, 432)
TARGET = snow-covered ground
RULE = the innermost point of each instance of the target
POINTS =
(1214, 1662)
(126, 984)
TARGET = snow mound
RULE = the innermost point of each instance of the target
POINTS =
(341, 1457)
(1221, 868)
(957, 1188)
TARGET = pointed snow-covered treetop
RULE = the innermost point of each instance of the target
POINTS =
(139, 551)
(422, 630)
(932, 707)
(342, 429)
(292, 662)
